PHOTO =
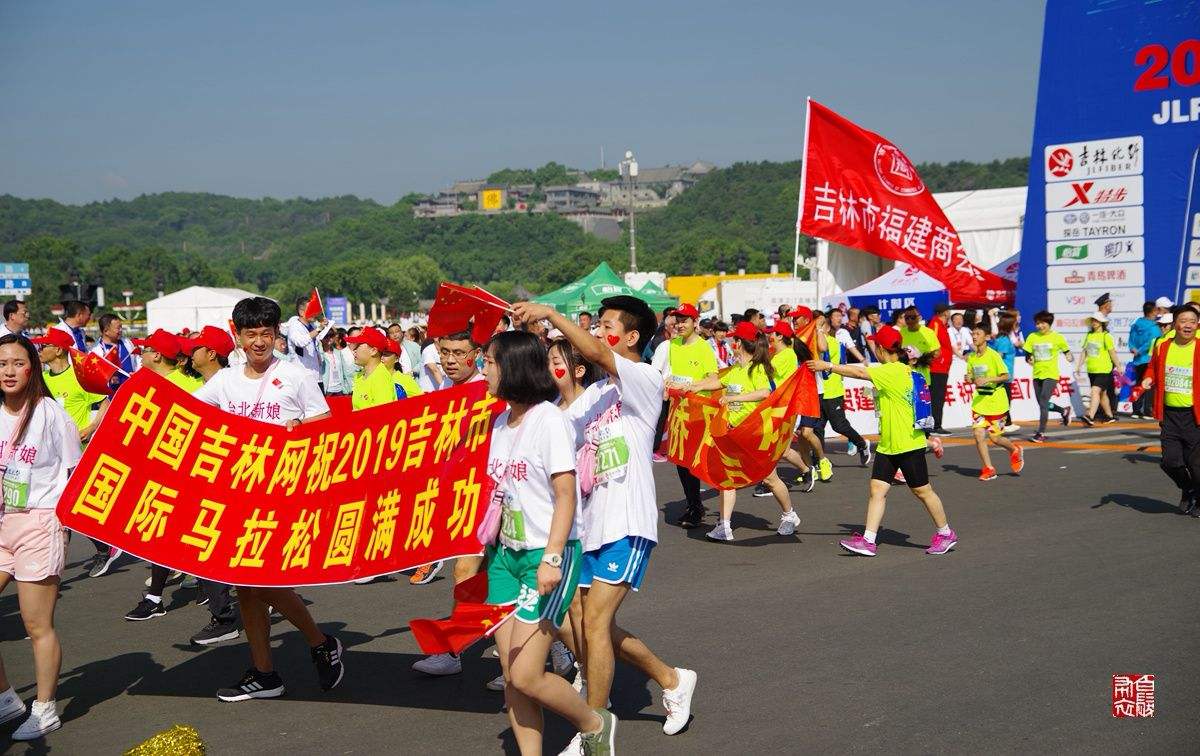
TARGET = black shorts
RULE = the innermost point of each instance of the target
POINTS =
(1101, 380)
(911, 463)
(807, 422)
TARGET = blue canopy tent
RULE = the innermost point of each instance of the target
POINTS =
(900, 287)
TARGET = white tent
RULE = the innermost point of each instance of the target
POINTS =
(193, 308)
(987, 220)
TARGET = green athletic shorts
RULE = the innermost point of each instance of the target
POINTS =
(512, 579)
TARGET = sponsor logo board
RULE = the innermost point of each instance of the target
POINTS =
(1084, 300)
(1095, 158)
(1110, 192)
(1074, 276)
(1073, 225)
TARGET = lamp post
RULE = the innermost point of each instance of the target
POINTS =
(773, 258)
(721, 264)
(97, 289)
(741, 263)
(159, 285)
(629, 172)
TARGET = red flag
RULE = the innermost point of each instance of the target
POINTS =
(470, 620)
(859, 190)
(313, 308)
(93, 371)
(457, 308)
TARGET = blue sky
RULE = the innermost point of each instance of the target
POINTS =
(116, 99)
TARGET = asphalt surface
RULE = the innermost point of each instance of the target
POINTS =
(1076, 570)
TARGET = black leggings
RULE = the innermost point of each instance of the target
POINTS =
(937, 396)
(691, 486)
(1044, 389)
(833, 412)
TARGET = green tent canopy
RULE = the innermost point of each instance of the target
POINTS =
(586, 294)
(658, 299)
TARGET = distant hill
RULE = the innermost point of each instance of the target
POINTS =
(358, 248)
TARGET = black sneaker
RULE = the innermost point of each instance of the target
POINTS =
(146, 609)
(1066, 416)
(254, 684)
(1187, 504)
(940, 432)
(103, 562)
(691, 517)
(761, 491)
(865, 455)
(1038, 438)
(807, 480)
(215, 632)
(328, 659)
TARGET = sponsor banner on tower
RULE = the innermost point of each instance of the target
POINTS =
(1081, 195)
(1094, 224)
(1084, 300)
(1078, 276)
(1126, 250)
(1094, 159)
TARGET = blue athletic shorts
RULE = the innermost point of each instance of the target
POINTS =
(622, 561)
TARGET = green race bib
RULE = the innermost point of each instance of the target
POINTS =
(16, 486)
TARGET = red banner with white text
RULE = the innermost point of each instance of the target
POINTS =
(188, 486)
(859, 190)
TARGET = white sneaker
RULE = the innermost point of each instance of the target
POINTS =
(578, 682)
(364, 581)
(11, 706)
(788, 522)
(575, 747)
(721, 533)
(43, 718)
(561, 659)
(496, 683)
(495, 652)
(439, 664)
(851, 449)
(678, 701)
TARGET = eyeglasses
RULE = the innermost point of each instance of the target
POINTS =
(457, 354)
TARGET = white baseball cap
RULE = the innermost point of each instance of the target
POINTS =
(1099, 317)
(1166, 318)
(1164, 303)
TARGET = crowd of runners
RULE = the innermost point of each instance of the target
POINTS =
(586, 403)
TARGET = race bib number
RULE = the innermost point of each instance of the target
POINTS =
(512, 521)
(1178, 380)
(16, 486)
(1092, 348)
(612, 451)
(979, 371)
(1042, 352)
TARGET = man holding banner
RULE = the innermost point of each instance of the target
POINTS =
(292, 396)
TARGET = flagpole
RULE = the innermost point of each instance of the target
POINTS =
(318, 293)
(803, 177)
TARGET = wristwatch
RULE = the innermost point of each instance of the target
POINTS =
(554, 560)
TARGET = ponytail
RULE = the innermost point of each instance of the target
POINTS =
(760, 355)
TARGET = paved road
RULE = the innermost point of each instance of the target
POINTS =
(1078, 569)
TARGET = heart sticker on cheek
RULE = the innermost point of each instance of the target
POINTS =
(559, 372)
(612, 339)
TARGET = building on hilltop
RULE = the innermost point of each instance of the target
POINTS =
(563, 198)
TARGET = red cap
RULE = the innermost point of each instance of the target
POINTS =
(687, 311)
(886, 337)
(783, 328)
(163, 342)
(211, 337)
(55, 337)
(370, 336)
(745, 330)
(393, 346)
(801, 311)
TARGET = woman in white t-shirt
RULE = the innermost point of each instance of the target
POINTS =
(535, 565)
(40, 449)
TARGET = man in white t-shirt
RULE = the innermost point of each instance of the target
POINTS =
(458, 355)
(431, 376)
(839, 330)
(304, 338)
(16, 318)
(615, 420)
(281, 393)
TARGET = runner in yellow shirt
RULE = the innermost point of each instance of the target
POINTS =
(373, 385)
(901, 444)
(1099, 358)
(690, 359)
(405, 384)
(746, 384)
(54, 352)
(1042, 348)
(785, 362)
(989, 405)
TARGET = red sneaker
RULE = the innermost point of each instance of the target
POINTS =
(1017, 459)
(988, 473)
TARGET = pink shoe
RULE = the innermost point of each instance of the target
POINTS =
(899, 478)
(659, 457)
(856, 544)
(941, 544)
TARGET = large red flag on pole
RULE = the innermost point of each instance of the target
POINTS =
(859, 190)
(458, 308)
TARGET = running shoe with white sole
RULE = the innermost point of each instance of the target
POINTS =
(103, 562)
(43, 719)
(851, 449)
(496, 683)
(425, 573)
(941, 544)
(574, 748)
(937, 446)
(987, 473)
(807, 481)
(1038, 438)
(216, 632)
(254, 684)
(1017, 459)
(865, 455)
(146, 609)
(11, 706)
(787, 525)
(761, 491)
(327, 658)
(562, 661)
(678, 701)
(601, 743)
(439, 665)
(723, 532)
(824, 470)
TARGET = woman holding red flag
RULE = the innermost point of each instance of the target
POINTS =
(535, 565)
(40, 448)
(747, 383)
